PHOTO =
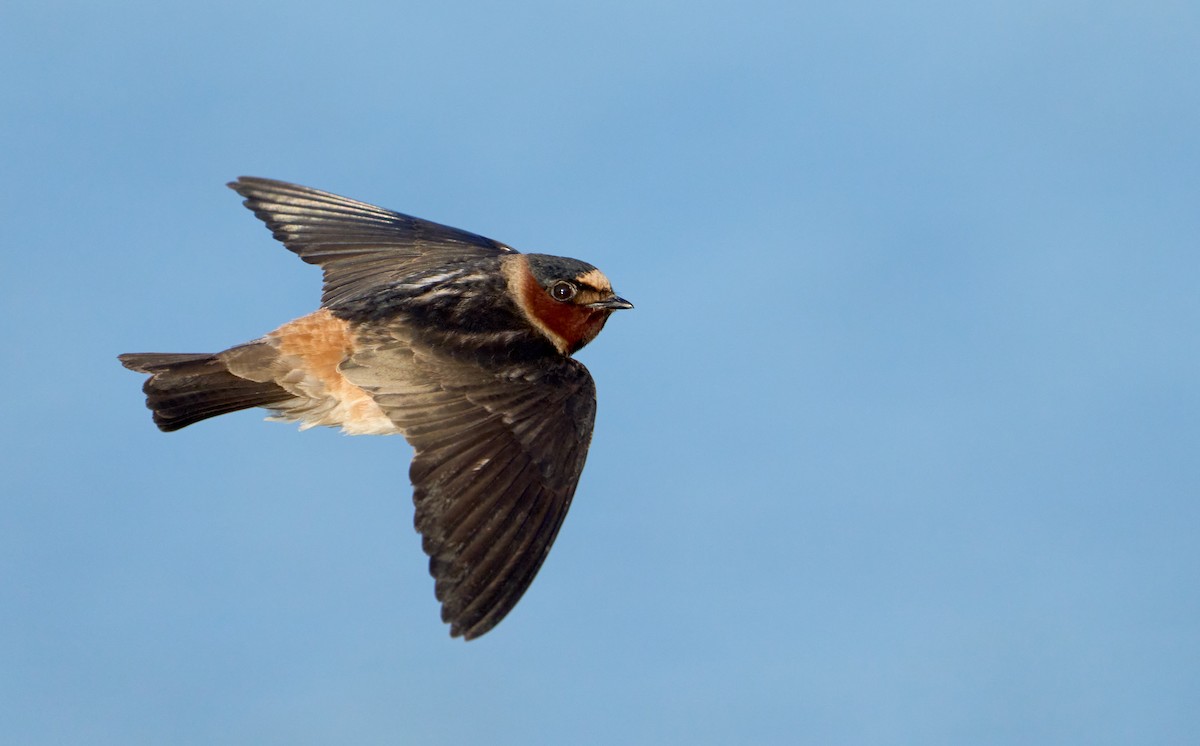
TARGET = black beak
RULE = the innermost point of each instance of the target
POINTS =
(615, 303)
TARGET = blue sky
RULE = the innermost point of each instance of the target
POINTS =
(900, 444)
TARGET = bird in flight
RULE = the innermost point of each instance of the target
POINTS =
(460, 343)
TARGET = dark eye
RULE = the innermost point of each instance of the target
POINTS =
(562, 291)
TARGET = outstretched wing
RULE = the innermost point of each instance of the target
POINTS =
(359, 246)
(498, 456)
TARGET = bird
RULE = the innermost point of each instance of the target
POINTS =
(459, 343)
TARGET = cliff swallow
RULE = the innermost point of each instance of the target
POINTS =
(459, 343)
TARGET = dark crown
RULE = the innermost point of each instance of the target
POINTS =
(548, 269)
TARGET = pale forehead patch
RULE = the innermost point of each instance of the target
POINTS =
(596, 280)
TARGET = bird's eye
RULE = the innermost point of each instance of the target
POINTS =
(562, 291)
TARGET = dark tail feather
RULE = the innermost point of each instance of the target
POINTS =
(186, 388)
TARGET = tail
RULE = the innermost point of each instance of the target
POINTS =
(186, 388)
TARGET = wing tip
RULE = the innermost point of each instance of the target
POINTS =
(251, 186)
(458, 631)
(243, 182)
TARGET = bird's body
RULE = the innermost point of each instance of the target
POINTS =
(459, 343)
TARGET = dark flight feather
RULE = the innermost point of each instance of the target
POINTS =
(498, 456)
(359, 246)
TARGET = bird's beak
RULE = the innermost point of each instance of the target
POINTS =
(615, 303)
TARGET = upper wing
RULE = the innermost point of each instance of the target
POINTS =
(359, 246)
(498, 455)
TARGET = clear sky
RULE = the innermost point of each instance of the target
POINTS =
(900, 445)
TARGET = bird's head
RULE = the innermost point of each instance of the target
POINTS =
(565, 299)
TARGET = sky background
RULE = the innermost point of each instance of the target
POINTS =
(900, 445)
